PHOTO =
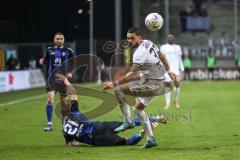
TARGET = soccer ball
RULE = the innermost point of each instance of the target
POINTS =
(154, 22)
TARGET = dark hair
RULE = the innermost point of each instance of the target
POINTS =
(135, 30)
(58, 33)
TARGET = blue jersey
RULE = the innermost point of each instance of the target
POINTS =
(77, 126)
(56, 60)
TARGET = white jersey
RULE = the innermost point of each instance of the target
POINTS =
(173, 54)
(146, 54)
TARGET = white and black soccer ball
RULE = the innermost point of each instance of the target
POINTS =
(154, 22)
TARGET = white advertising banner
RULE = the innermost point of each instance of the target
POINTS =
(4, 84)
(218, 74)
(17, 80)
(36, 78)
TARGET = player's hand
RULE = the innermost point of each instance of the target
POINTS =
(41, 61)
(174, 78)
(73, 143)
(69, 75)
(181, 76)
(108, 86)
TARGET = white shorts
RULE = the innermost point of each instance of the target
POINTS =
(145, 91)
(168, 79)
(145, 100)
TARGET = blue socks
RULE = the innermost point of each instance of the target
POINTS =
(134, 139)
(49, 111)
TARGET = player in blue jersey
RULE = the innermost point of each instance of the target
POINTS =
(57, 60)
(77, 128)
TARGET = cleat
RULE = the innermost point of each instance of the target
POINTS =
(48, 128)
(142, 133)
(150, 144)
(162, 119)
(176, 103)
(166, 107)
(124, 126)
(154, 125)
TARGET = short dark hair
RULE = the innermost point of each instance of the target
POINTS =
(135, 30)
(58, 33)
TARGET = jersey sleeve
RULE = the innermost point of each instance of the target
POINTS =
(180, 58)
(179, 50)
(71, 53)
(181, 64)
(70, 60)
(162, 49)
(74, 106)
(140, 55)
(46, 56)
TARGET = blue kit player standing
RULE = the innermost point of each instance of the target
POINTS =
(77, 128)
(57, 60)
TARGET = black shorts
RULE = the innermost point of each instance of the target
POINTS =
(58, 87)
(104, 135)
(55, 85)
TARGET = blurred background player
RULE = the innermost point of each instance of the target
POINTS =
(210, 64)
(187, 63)
(56, 59)
(32, 63)
(238, 63)
(173, 53)
(144, 81)
(77, 128)
(12, 63)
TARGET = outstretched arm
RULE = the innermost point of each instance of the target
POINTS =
(164, 61)
(167, 67)
(69, 86)
(131, 75)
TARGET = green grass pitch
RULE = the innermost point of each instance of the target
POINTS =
(207, 126)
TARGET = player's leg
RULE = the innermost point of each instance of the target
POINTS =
(121, 91)
(148, 88)
(167, 89)
(153, 119)
(63, 99)
(167, 95)
(49, 110)
(176, 95)
(103, 135)
(145, 122)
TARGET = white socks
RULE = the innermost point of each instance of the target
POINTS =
(167, 95)
(143, 118)
(176, 93)
(126, 112)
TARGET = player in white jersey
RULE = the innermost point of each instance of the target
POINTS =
(173, 54)
(144, 81)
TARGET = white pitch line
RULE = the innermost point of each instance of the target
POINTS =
(22, 100)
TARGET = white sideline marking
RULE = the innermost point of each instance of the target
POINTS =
(22, 100)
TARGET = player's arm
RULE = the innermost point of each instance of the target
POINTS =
(131, 75)
(167, 67)
(181, 68)
(164, 61)
(45, 58)
(72, 91)
(70, 141)
(70, 63)
(181, 63)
